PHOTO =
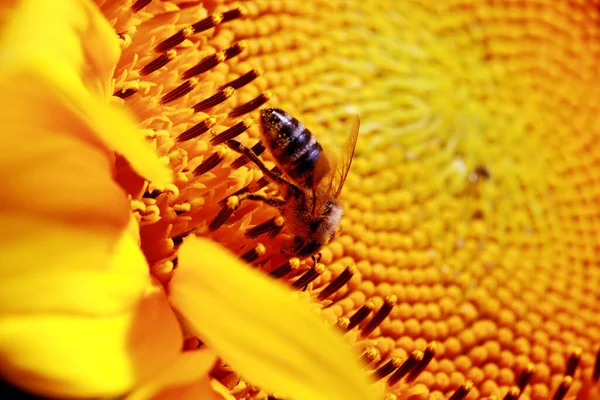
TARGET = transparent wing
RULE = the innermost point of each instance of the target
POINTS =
(331, 185)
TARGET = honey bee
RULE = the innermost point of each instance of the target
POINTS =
(311, 183)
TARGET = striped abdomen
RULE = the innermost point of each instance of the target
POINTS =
(294, 147)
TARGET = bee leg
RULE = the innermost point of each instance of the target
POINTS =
(268, 200)
(246, 151)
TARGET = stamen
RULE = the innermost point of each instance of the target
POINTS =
(343, 323)
(210, 162)
(573, 362)
(181, 208)
(361, 314)
(243, 190)
(525, 376)
(234, 14)
(309, 276)
(369, 355)
(563, 388)
(596, 373)
(207, 23)
(197, 129)
(408, 364)
(177, 240)
(386, 368)
(236, 49)
(124, 93)
(279, 221)
(204, 65)
(139, 4)
(258, 149)
(284, 269)
(176, 39)
(214, 100)
(179, 91)
(253, 254)
(245, 79)
(338, 282)
(232, 132)
(273, 224)
(421, 365)
(151, 195)
(512, 394)
(382, 313)
(462, 391)
(158, 62)
(251, 105)
(222, 216)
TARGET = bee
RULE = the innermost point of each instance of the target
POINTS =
(311, 182)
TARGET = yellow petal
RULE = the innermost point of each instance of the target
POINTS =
(69, 49)
(258, 328)
(181, 376)
(75, 355)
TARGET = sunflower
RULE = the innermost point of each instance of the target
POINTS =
(467, 261)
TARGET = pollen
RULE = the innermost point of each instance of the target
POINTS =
(467, 261)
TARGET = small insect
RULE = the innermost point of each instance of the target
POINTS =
(311, 184)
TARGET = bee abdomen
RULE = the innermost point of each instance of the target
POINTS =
(292, 145)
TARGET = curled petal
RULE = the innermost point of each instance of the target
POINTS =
(258, 328)
(57, 59)
(74, 355)
(188, 373)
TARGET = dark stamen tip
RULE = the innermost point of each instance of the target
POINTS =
(158, 62)
(361, 314)
(386, 368)
(525, 376)
(209, 22)
(224, 214)
(369, 355)
(243, 80)
(285, 268)
(204, 65)
(309, 276)
(251, 105)
(236, 13)
(462, 391)
(232, 132)
(408, 364)
(174, 40)
(177, 240)
(179, 91)
(253, 254)
(380, 315)
(512, 394)
(563, 388)
(125, 93)
(596, 372)
(428, 355)
(573, 362)
(236, 49)
(214, 100)
(139, 4)
(197, 129)
(209, 163)
(338, 282)
(266, 227)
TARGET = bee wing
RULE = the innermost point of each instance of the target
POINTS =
(343, 167)
(331, 185)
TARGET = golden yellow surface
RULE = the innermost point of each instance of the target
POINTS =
(475, 189)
